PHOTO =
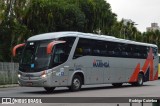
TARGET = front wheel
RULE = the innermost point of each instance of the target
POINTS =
(76, 83)
(49, 89)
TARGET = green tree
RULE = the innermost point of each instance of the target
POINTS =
(20, 19)
(98, 15)
(11, 28)
(152, 37)
(50, 16)
(125, 31)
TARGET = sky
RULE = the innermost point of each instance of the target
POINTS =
(142, 12)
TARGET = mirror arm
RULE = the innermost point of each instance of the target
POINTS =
(49, 47)
(51, 44)
(15, 48)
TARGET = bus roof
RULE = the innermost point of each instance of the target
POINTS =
(55, 35)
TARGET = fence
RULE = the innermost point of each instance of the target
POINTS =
(8, 73)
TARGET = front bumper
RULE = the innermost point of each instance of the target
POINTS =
(34, 83)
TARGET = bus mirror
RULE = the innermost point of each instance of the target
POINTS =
(16, 47)
(51, 45)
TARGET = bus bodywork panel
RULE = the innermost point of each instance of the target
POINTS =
(115, 71)
(96, 70)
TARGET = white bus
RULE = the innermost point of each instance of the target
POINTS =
(73, 59)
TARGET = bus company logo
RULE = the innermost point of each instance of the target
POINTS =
(100, 63)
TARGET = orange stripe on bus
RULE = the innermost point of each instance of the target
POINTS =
(135, 73)
(156, 76)
(148, 62)
(151, 69)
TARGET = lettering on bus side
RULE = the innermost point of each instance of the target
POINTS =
(100, 63)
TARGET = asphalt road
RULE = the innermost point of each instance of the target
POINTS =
(150, 89)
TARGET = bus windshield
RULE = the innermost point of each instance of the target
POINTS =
(36, 59)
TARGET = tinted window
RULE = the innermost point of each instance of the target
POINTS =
(83, 48)
(61, 51)
(92, 47)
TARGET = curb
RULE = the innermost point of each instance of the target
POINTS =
(9, 85)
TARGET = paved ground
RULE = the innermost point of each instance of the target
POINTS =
(150, 89)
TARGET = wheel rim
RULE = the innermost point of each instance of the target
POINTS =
(76, 83)
(140, 80)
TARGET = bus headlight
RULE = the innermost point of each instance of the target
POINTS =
(46, 73)
(43, 75)
(19, 75)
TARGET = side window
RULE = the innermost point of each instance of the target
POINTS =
(92, 47)
(68, 45)
(117, 49)
(83, 48)
(99, 48)
(60, 54)
(139, 51)
(129, 50)
(103, 48)
(136, 50)
(61, 51)
(143, 52)
(110, 48)
(124, 50)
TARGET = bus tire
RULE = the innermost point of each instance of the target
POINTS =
(140, 80)
(49, 89)
(76, 83)
(117, 84)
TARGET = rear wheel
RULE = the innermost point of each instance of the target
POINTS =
(117, 84)
(49, 89)
(76, 83)
(140, 80)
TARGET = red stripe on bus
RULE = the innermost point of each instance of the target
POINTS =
(151, 69)
(156, 76)
(51, 44)
(134, 77)
(145, 66)
(49, 47)
(16, 47)
(149, 62)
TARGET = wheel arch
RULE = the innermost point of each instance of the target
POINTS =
(141, 72)
(80, 73)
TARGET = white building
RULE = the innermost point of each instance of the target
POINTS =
(154, 27)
